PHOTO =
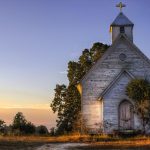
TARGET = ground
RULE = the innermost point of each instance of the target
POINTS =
(75, 142)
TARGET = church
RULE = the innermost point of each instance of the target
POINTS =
(104, 103)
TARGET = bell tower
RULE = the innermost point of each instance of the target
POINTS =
(121, 25)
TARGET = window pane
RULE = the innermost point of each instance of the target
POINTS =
(121, 29)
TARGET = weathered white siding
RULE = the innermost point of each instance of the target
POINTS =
(116, 32)
(92, 113)
(102, 75)
(112, 100)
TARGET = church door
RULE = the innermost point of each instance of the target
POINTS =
(125, 115)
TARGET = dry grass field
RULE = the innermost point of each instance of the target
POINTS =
(95, 142)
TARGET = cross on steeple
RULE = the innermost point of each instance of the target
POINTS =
(120, 5)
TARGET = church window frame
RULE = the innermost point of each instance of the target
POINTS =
(122, 29)
(122, 57)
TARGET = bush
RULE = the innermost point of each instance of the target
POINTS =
(42, 130)
(52, 131)
(30, 128)
(139, 91)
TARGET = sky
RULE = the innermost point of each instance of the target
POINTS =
(39, 37)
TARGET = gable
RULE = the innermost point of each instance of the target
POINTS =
(109, 66)
(123, 44)
(121, 76)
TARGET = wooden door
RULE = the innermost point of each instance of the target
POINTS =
(126, 115)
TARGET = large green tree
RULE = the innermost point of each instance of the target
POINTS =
(139, 91)
(67, 100)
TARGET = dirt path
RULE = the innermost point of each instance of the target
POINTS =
(60, 146)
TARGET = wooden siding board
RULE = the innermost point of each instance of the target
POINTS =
(102, 75)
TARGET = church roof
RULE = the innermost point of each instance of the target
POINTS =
(121, 19)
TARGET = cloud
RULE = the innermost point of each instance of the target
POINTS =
(63, 72)
(30, 106)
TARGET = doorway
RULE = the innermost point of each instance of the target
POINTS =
(126, 115)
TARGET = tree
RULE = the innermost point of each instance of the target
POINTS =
(2, 127)
(19, 123)
(67, 100)
(58, 104)
(30, 128)
(139, 91)
(21, 126)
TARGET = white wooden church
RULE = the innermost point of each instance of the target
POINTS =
(103, 88)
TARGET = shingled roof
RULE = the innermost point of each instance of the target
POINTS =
(121, 20)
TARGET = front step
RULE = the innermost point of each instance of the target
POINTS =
(128, 133)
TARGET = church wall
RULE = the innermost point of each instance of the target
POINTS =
(112, 100)
(115, 33)
(129, 33)
(92, 112)
(102, 75)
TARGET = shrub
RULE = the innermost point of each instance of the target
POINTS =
(42, 130)
(139, 91)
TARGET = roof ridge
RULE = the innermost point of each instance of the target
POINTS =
(101, 58)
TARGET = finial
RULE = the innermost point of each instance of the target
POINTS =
(120, 5)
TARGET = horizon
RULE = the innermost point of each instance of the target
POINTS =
(40, 116)
(39, 38)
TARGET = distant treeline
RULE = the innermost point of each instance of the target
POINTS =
(20, 126)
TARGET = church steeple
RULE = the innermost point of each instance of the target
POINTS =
(121, 25)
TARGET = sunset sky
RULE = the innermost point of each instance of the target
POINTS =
(39, 37)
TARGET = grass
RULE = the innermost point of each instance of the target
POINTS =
(95, 142)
